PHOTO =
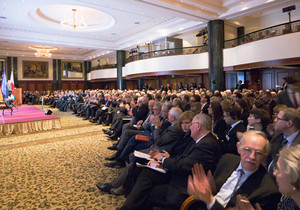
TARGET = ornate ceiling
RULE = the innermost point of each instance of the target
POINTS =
(112, 24)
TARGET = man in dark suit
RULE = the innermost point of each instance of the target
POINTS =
(291, 96)
(205, 103)
(284, 84)
(240, 86)
(269, 101)
(139, 111)
(132, 131)
(238, 175)
(168, 87)
(169, 190)
(287, 123)
(232, 118)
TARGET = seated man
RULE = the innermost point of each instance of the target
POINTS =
(287, 125)
(168, 190)
(142, 128)
(166, 140)
(232, 118)
(234, 175)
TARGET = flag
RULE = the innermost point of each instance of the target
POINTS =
(4, 88)
(1, 97)
(12, 80)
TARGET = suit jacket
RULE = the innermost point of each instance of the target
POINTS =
(229, 146)
(283, 98)
(272, 105)
(140, 113)
(244, 118)
(275, 145)
(258, 188)
(79, 99)
(168, 139)
(240, 87)
(186, 106)
(146, 124)
(219, 129)
(205, 108)
(207, 152)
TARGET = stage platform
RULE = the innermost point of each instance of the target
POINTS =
(25, 119)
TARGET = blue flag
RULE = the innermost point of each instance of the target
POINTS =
(4, 88)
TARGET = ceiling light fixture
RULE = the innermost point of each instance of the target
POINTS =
(73, 21)
(42, 52)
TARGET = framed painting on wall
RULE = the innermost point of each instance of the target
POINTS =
(72, 70)
(35, 69)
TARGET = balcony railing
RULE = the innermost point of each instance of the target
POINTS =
(106, 66)
(167, 52)
(264, 34)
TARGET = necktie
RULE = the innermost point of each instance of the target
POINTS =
(283, 144)
(230, 187)
(295, 101)
(274, 161)
(227, 135)
(242, 173)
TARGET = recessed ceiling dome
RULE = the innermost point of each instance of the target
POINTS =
(52, 15)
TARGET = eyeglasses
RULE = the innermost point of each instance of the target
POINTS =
(257, 153)
(278, 118)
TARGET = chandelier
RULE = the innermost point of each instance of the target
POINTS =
(42, 52)
(73, 21)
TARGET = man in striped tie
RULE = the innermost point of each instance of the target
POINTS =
(234, 175)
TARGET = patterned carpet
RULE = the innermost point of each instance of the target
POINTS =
(57, 169)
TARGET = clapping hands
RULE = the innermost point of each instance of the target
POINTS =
(200, 185)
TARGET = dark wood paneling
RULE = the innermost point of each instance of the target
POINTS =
(72, 85)
(47, 85)
(65, 85)
(253, 80)
(132, 84)
(40, 86)
(266, 80)
(31, 87)
(35, 85)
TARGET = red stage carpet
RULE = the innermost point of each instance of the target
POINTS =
(27, 119)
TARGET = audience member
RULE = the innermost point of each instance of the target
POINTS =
(291, 96)
(232, 118)
(168, 190)
(287, 173)
(287, 125)
(234, 175)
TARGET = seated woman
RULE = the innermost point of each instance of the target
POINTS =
(125, 181)
(216, 113)
(241, 103)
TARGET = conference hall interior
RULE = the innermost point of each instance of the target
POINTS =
(53, 153)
